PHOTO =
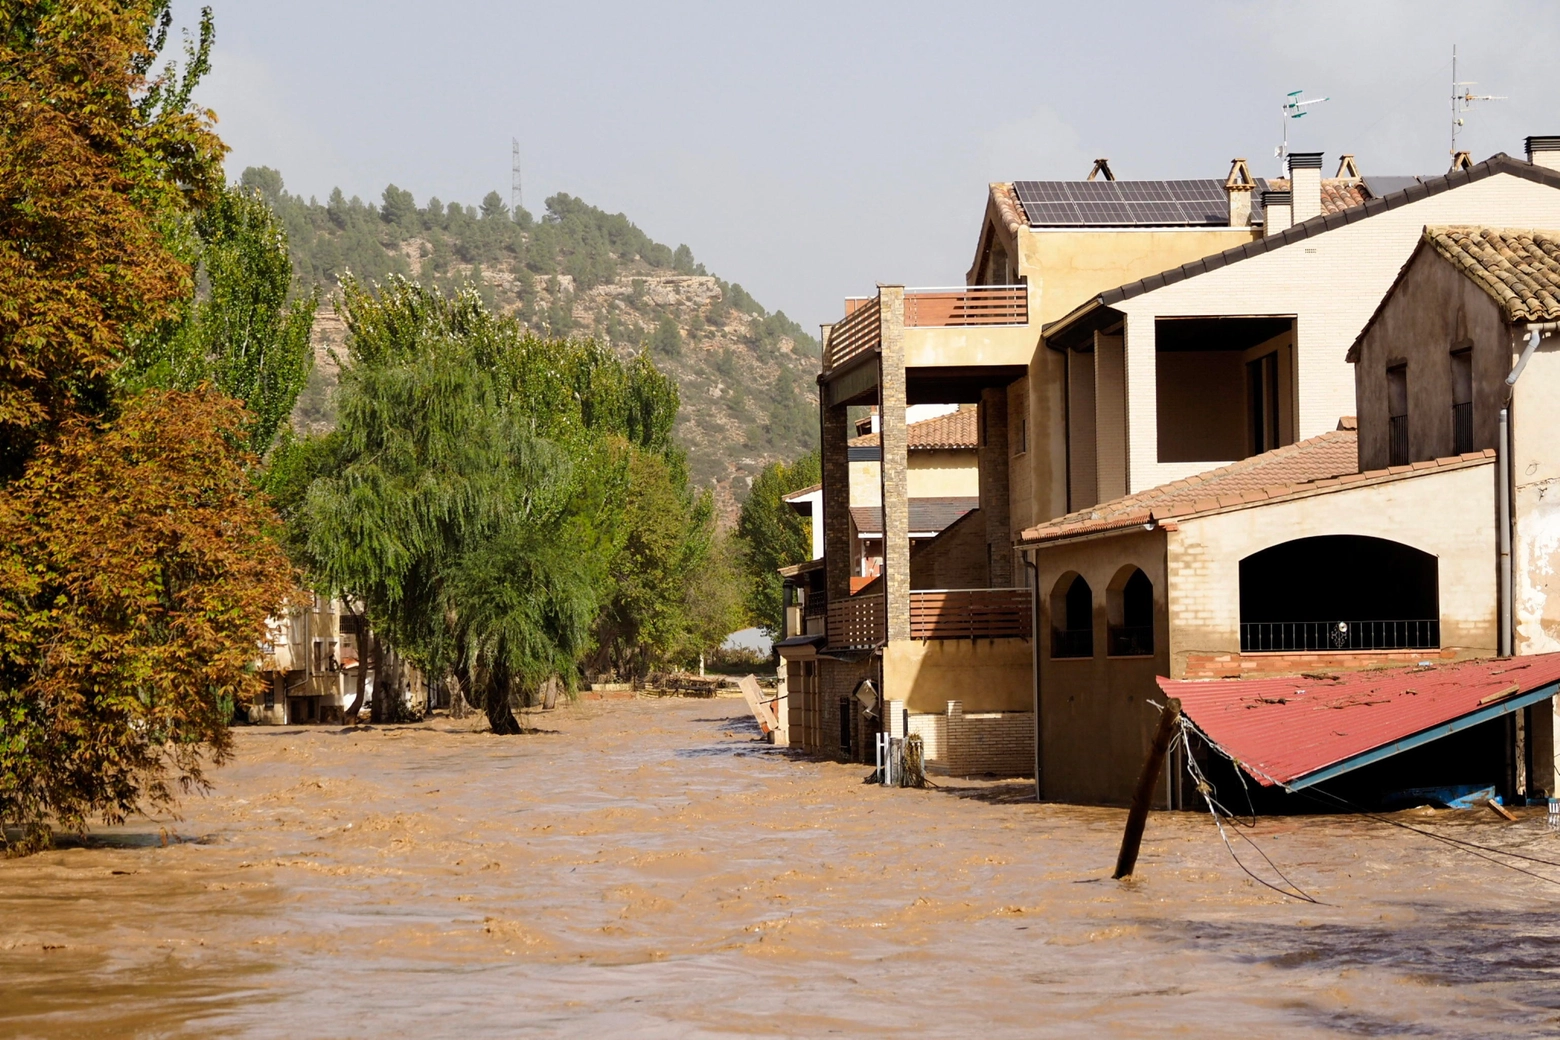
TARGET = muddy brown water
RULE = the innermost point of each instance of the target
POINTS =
(649, 869)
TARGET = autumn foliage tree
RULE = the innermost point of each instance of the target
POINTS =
(138, 569)
(137, 558)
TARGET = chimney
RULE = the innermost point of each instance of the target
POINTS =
(1238, 185)
(1348, 169)
(1461, 161)
(1278, 210)
(1305, 184)
(1102, 168)
(1544, 151)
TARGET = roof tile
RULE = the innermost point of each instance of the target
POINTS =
(1519, 268)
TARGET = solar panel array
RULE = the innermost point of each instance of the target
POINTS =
(1123, 203)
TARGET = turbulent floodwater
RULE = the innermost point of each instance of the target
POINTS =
(648, 869)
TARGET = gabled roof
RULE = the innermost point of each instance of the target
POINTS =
(1519, 269)
(926, 514)
(1422, 188)
(801, 493)
(953, 431)
(1316, 465)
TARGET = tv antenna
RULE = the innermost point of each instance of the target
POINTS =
(514, 178)
(1293, 108)
(1462, 102)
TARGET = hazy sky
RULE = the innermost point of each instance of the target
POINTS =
(809, 151)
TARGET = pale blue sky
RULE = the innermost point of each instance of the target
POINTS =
(811, 150)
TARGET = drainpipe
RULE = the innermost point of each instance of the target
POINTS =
(1538, 330)
(1503, 529)
(1034, 651)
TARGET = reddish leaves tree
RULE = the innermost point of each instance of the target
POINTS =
(97, 167)
(137, 568)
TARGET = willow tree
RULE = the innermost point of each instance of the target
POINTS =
(475, 500)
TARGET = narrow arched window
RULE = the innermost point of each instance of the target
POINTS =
(1129, 609)
(1072, 617)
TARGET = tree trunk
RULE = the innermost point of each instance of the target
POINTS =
(376, 712)
(361, 626)
(501, 717)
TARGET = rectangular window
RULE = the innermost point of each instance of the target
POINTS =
(1397, 415)
(1262, 403)
(1021, 437)
(1462, 401)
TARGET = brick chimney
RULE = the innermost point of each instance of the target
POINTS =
(1544, 151)
(1278, 210)
(1238, 185)
(1305, 184)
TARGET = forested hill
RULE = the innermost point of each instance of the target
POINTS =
(746, 374)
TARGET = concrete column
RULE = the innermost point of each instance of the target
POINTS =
(836, 498)
(895, 464)
(993, 463)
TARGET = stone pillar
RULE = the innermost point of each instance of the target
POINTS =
(993, 464)
(893, 469)
(836, 498)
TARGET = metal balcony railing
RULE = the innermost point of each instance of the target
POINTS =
(970, 614)
(1397, 440)
(1462, 427)
(1283, 636)
(1067, 643)
(1130, 640)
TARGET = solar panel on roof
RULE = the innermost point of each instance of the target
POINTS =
(1123, 203)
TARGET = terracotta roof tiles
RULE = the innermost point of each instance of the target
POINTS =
(1307, 467)
(950, 432)
(1518, 268)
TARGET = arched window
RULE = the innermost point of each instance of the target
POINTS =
(1129, 609)
(1339, 592)
(1072, 617)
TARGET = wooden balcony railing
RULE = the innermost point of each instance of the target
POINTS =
(860, 333)
(971, 305)
(858, 622)
(970, 614)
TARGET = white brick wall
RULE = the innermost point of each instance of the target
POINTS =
(1332, 282)
(998, 742)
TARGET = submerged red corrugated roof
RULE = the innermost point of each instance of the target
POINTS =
(1280, 730)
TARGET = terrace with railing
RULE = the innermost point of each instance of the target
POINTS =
(859, 622)
(977, 307)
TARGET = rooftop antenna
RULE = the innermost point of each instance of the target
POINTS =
(514, 178)
(1462, 102)
(1294, 107)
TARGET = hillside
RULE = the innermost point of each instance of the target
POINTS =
(746, 374)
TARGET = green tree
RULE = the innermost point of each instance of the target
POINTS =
(773, 536)
(667, 339)
(240, 333)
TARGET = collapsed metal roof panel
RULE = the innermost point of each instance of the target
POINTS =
(1295, 731)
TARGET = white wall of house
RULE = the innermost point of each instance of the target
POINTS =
(1331, 281)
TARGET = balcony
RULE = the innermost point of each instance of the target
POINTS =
(1072, 643)
(1131, 640)
(970, 614)
(1291, 636)
(858, 623)
(944, 326)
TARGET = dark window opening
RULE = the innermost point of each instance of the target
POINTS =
(1462, 401)
(1222, 387)
(1131, 613)
(1339, 592)
(1397, 415)
(846, 706)
(1072, 612)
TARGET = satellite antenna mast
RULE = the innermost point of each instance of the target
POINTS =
(1294, 107)
(1462, 102)
(514, 178)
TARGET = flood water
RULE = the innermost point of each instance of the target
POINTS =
(647, 868)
